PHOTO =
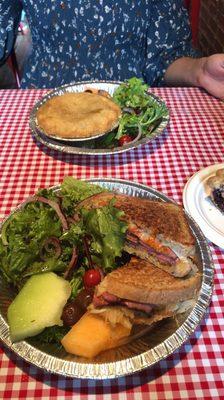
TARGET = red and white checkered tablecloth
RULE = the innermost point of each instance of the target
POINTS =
(193, 140)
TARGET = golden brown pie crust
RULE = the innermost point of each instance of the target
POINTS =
(78, 115)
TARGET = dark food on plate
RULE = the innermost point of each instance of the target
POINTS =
(78, 115)
(101, 92)
(118, 262)
(75, 308)
(216, 184)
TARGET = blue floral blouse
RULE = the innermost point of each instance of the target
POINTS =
(76, 40)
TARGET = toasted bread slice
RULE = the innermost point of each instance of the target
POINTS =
(142, 282)
(157, 231)
(158, 217)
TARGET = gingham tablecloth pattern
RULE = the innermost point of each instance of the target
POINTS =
(193, 140)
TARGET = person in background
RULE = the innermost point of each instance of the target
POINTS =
(76, 40)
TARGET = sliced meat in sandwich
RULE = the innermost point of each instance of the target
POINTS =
(149, 292)
(157, 231)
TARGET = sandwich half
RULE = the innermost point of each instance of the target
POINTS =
(149, 292)
(134, 296)
(157, 231)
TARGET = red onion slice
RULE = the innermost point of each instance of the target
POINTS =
(46, 248)
(52, 204)
(102, 274)
(139, 135)
(72, 263)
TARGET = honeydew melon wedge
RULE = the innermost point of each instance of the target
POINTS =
(38, 305)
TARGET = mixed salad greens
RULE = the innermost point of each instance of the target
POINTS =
(141, 114)
(49, 234)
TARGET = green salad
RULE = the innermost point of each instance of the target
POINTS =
(141, 114)
(51, 234)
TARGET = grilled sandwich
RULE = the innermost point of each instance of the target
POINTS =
(160, 280)
(137, 294)
(149, 292)
(157, 231)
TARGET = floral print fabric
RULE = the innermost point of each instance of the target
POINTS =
(74, 40)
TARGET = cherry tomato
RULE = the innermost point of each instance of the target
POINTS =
(91, 278)
(124, 139)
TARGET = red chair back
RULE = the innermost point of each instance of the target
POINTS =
(194, 12)
(13, 65)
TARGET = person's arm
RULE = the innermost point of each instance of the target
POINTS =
(168, 39)
(171, 59)
(205, 72)
(10, 14)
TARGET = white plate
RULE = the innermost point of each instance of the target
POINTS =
(200, 207)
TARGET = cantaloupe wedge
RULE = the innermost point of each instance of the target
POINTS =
(91, 335)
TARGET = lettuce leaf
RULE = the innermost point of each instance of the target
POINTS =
(23, 252)
(74, 191)
(108, 234)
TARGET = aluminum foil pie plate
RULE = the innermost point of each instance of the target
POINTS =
(141, 353)
(88, 146)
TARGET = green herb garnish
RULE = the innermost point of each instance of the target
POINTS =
(140, 112)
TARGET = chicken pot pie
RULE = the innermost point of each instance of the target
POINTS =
(78, 115)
